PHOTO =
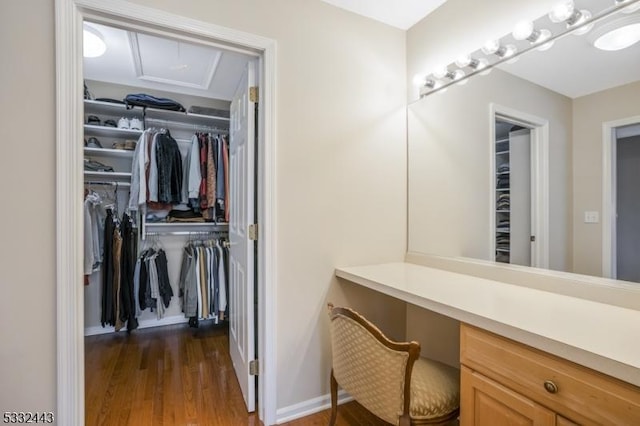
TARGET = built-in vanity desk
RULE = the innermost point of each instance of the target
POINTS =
(528, 356)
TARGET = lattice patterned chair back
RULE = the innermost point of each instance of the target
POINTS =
(377, 373)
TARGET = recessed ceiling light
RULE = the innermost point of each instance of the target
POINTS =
(93, 44)
(618, 35)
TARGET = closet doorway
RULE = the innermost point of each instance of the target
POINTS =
(70, 16)
(621, 204)
(518, 229)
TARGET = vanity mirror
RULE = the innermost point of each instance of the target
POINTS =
(531, 163)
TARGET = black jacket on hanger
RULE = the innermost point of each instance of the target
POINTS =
(107, 317)
(169, 163)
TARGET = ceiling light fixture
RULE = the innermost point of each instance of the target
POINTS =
(493, 47)
(475, 64)
(618, 34)
(93, 44)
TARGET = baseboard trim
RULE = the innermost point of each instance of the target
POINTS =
(309, 407)
(148, 323)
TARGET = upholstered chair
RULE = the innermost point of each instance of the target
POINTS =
(388, 378)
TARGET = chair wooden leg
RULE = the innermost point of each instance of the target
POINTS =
(404, 420)
(334, 400)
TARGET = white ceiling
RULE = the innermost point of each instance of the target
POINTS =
(156, 63)
(402, 14)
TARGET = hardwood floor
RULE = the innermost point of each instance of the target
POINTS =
(175, 375)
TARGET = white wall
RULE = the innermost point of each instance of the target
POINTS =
(341, 157)
(340, 162)
(27, 183)
(590, 112)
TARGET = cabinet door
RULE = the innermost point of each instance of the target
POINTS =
(487, 403)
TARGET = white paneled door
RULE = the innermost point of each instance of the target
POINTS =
(242, 252)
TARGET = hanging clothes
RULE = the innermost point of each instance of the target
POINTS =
(156, 171)
(93, 216)
(151, 286)
(120, 246)
(208, 185)
(203, 280)
(107, 315)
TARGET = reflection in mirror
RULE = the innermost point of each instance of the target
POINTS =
(571, 99)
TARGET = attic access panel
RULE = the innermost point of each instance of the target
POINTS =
(173, 62)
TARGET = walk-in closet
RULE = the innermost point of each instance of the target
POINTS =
(164, 187)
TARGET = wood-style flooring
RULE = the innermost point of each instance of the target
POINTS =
(175, 375)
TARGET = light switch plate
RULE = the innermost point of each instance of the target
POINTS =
(591, 217)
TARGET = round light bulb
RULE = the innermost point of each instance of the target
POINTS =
(440, 71)
(463, 61)
(419, 79)
(562, 11)
(490, 47)
(523, 30)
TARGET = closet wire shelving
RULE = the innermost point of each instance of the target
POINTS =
(159, 119)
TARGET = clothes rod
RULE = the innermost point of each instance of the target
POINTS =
(158, 233)
(109, 183)
(203, 127)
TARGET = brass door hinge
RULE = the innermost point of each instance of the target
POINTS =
(253, 232)
(254, 367)
(253, 94)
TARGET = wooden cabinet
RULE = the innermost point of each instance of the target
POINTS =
(486, 402)
(505, 382)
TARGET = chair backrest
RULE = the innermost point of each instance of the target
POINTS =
(374, 370)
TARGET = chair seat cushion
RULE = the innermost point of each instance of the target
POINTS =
(435, 389)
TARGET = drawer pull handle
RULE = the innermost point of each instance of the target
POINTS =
(550, 387)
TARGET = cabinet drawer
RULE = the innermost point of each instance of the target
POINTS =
(576, 392)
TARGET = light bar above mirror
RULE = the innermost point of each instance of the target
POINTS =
(566, 18)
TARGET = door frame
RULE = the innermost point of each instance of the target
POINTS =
(69, 17)
(539, 180)
(609, 193)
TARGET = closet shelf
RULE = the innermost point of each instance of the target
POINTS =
(503, 211)
(503, 250)
(106, 152)
(502, 152)
(502, 140)
(185, 118)
(114, 132)
(108, 176)
(110, 108)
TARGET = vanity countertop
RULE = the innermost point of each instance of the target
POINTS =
(600, 336)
